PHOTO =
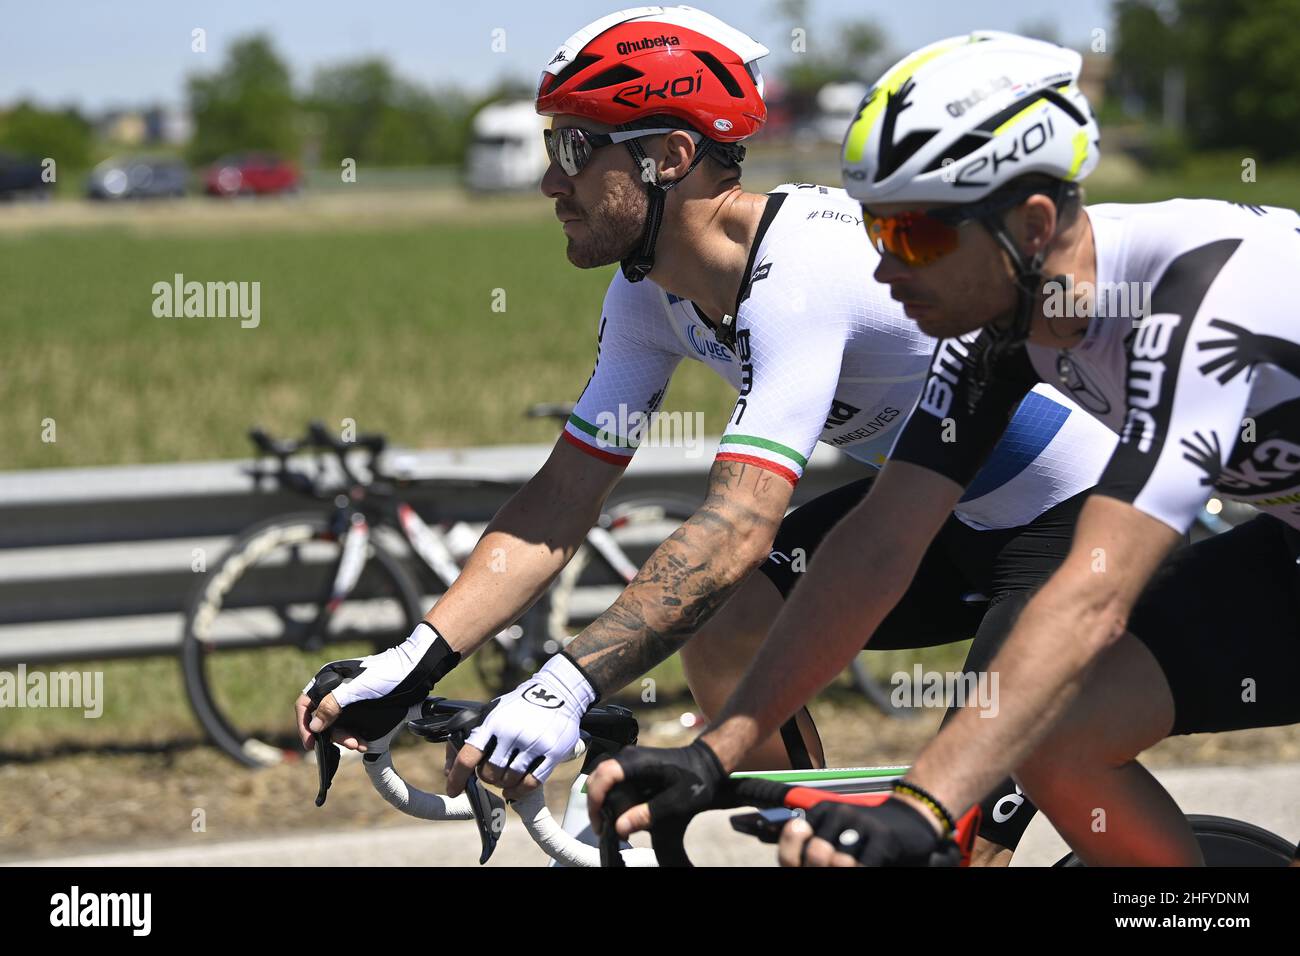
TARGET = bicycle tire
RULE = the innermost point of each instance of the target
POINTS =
(876, 693)
(1228, 842)
(208, 600)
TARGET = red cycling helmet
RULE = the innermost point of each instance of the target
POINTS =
(674, 62)
(651, 61)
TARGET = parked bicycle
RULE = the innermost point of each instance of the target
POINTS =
(297, 590)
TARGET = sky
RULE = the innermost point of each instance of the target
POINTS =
(100, 55)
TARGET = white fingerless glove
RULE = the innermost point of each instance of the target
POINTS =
(535, 726)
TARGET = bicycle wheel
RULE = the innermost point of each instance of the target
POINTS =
(878, 693)
(255, 633)
(599, 570)
(1228, 842)
(509, 658)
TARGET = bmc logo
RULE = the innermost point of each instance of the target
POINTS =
(839, 414)
(936, 396)
(1146, 376)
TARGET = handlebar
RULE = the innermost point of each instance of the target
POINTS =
(560, 411)
(320, 439)
(604, 729)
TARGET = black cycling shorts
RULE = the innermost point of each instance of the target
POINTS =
(941, 605)
(1222, 618)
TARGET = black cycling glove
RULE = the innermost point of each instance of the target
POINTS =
(677, 783)
(891, 834)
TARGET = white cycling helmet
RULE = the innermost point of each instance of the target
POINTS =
(962, 117)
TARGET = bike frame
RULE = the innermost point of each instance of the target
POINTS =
(845, 780)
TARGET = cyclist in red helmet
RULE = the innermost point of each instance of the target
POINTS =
(623, 79)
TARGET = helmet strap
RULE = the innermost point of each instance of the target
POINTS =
(1001, 340)
(638, 265)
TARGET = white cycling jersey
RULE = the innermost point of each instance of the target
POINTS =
(1202, 384)
(821, 353)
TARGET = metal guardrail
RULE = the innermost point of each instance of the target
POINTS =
(96, 563)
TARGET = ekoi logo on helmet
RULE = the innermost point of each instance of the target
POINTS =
(681, 86)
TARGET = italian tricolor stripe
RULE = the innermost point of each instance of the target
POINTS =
(773, 456)
(602, 444)
(763, 463)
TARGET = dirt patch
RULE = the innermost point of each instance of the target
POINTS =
(308, 212)
(77, 803)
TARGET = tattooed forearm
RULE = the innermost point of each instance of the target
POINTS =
(686, 580)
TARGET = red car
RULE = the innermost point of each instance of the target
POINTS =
(251, 174)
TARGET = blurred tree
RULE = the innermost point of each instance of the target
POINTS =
(852, 53)
(63, 135)
(372, 115)
(247, 104)
(1243, 88)
(1232, 61)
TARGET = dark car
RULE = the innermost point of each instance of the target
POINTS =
(137, 177)
(22, 177)
(250, 174)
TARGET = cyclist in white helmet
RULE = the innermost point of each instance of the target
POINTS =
(1173, 324)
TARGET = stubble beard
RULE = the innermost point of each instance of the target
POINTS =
(612, 231)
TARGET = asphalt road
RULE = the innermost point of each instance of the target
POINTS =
(1267, 795)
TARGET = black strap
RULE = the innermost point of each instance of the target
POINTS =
(637, 266)
(795, 748)
(774, 201)
(725, 332)
(995, 342)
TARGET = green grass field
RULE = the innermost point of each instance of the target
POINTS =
(393, 329)
(390, 325)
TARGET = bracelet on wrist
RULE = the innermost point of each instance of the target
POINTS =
(930, 802)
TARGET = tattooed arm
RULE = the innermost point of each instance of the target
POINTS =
(687, 578)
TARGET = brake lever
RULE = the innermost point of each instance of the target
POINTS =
(480, 799)
(767, 824)
(610, 851)
(483, 803)
(327, 764)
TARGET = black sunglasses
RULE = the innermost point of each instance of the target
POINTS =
(570, 147)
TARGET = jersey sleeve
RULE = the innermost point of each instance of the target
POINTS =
(1189, 366)
(947, 432)
(790, 367)
(633, 366)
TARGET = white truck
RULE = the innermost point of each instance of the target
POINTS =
(506, 151)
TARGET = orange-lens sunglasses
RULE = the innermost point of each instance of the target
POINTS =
(917, 238)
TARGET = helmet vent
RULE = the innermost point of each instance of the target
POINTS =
(902, 151)
(963, 147)
(724, 76)
(996, 120)
(580, 63)
(614, 75)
